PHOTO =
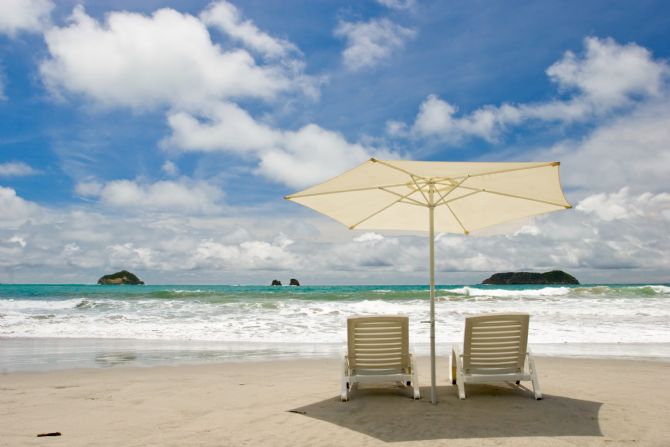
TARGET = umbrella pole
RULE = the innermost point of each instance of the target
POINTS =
(433, 391)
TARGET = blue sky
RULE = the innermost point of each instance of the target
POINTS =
(160, 136)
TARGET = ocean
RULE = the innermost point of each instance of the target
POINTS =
(46, 327)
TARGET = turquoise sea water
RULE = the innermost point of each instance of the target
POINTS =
(55, 326)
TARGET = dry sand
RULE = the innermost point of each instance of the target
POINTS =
(296, 403)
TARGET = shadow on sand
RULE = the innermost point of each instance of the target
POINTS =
(488, 412)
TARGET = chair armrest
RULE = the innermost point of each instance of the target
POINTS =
(530, 362)
(345, 359)
(455, 363)
(456, 352)
(412, 358)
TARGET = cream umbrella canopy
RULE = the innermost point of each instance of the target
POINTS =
(451, 197)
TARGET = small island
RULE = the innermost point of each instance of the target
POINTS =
(553, 277)
(123, 277)
(276, 282)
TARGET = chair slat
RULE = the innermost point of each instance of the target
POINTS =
(378, 341)
(495, 340)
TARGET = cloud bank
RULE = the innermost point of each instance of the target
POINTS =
(218, 80)
(179, 68)
(607, 77)
(620, 231)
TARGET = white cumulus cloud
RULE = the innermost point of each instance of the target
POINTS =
(225, 126)
(16, 169)
(249, 255)
(592, 241)
(622, 205)
(605, 78)
(140, 61)
(609, 74)
(127, 255)
(437, 117)
(369, 43)
(14, 211)
(170, 168)
(24, 15)
(629, 151)
(169, 196)
(296, 158)
(398, 4)
(225, 16)
(369, 237)
(18, 240)
(310, 155)
(88, 188)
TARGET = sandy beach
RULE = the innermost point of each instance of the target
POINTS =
(587, 402)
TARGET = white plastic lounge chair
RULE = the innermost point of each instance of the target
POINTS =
(495, 349)
(378, 352)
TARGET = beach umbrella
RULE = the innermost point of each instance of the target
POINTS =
(451, 197)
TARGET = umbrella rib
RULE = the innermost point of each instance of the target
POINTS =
(410, 201)
(337, 191)
(351, 227)
(500, 171)
(443, 197)
(415, 203)
(444, 201)
(515, 196)
(456, 217)
(442, 180)
(389, 165)
(419, 188)
(503, 171)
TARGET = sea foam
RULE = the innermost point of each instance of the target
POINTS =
(317, 315)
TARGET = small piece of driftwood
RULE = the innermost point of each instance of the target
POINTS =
(54, 433)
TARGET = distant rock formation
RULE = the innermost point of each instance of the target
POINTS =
(553, 277)
(294, 282)
(122, 277)
(276, 282)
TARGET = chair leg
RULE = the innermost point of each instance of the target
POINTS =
(461, 385)
(536, 390)
(533, 377)
(415, 382)
(452, 368)
(457, 371)
(344, 390)
(345, 383)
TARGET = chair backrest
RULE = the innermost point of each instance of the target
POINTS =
(379, 343)
(495, 343)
